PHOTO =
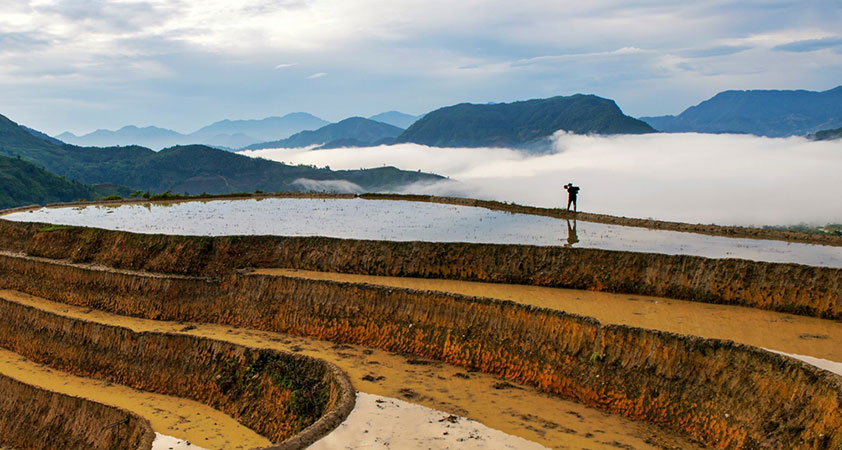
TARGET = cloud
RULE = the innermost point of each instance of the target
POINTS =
(86, 64)
(316, 75)
(342, 186)
(698, 178)
(811, 45)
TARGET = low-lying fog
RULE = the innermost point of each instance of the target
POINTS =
(725, 179)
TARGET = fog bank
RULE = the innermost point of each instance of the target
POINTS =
(724, 179)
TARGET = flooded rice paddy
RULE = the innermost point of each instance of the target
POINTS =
(396, 220)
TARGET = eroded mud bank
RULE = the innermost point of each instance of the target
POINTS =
(33, 418)
(791, 288)
(718, 392)
(513, 408)
(284, 397)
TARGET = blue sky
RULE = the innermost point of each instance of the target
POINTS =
(80, 65)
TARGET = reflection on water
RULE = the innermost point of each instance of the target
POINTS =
(415, 221)
(572, 236)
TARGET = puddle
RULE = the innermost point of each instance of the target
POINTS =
(415, 221)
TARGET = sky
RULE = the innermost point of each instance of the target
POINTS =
(697, 178)
(79, 65)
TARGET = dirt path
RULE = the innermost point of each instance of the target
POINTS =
(785, 333)
(514, 409)
(198, 423)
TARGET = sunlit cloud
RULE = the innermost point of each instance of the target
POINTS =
(316, 75)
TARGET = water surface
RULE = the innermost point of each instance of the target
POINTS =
(415, 221)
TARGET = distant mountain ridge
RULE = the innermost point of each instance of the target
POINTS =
(225, 133)
(351, 132)
(190, 169)
(396, 118)
(521, 124)
(772, 113)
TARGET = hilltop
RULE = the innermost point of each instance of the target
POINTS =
(351, 132)
(520, 124)
(190, 169)
(760, 112)
(396, 118)
(24, 183)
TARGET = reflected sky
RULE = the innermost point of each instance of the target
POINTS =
(415, 221)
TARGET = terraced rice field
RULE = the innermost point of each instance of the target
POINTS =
(406, 399)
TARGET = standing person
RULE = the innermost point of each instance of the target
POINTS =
(572, 192)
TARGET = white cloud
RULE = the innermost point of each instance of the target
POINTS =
(727, 179)
(342, 186)
(316, 75)
(138, 57)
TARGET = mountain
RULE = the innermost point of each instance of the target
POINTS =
(270, 128)
(827, 135)
(41, 135)
(356, 130)
(190, 169)
(520, 124)
(23, 183)
(395, 118)
(758, 112)
(152, 137)
(226, 133)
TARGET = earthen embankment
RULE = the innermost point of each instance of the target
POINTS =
(792, 288)
(282, 396)
(720, 393)
(33, 418)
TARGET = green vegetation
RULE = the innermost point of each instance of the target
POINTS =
(308, 391)
(520, 124)
(184, 169)
(49, 228)
(354, 131)
(23, 183)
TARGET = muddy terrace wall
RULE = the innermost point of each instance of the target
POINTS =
(726, 395)
(34, 418)
(792, 288)
(276, 394)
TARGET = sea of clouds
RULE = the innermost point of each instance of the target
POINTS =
(699, 178)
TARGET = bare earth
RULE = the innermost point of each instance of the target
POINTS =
(514, 409)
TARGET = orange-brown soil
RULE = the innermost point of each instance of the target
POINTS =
(510, 407)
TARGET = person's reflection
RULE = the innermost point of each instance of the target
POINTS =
(572, 237)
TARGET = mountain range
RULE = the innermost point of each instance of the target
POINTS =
(351, 132)
(524, 124)
(770, 113)
(192, 169)
(227, 134)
